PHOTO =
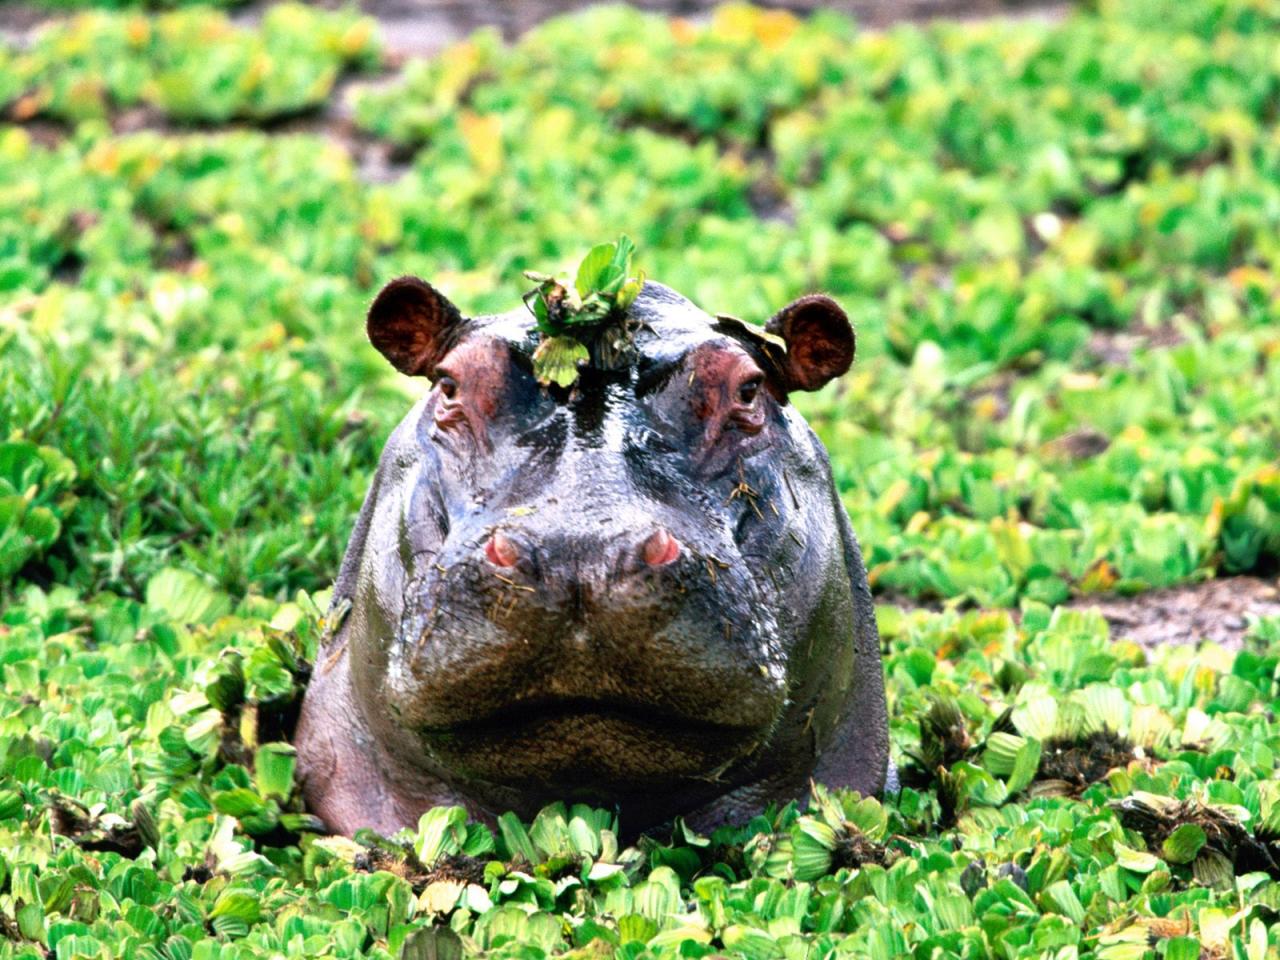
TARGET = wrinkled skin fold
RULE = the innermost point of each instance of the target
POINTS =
(641, 593)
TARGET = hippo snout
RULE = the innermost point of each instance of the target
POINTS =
(534, 619)
(630, 650)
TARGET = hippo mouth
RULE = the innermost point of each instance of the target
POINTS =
(512, 718)
(589, 746)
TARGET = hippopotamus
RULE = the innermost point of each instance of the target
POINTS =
(640, 592)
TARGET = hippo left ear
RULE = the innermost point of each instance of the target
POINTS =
(819, 338)
(413, 325)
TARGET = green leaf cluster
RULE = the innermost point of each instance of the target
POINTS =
(588, 322)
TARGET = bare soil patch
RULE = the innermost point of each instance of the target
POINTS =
(1117, 347)
(1217, 610)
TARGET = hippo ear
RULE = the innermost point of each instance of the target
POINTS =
(819, 338)
(413, 325)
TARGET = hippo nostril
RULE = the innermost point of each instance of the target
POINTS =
(661, 548)
(500, 551)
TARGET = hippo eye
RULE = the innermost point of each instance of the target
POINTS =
(748, 391)
(448, 387)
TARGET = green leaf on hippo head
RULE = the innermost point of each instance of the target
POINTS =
(556, 361)
(628, 292)
(592, 267)
(617, 272)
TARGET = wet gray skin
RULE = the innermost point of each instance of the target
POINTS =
(641, 593)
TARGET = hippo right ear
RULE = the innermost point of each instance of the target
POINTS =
(413, 325)
(819, 338)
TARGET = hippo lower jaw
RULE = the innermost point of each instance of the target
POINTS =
(588, 748)
(352, 781)
(613, 754)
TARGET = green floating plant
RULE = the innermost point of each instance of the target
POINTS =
(585, 323)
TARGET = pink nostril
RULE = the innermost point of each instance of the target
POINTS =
(501, 551)
(661, 548)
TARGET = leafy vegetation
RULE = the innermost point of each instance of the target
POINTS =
(1059, 245)
(147, 808)
(192, 66)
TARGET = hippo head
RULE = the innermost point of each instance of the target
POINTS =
(641, 591)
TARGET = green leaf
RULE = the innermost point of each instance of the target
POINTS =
(237, 905)
(1139, 861)
(441, 832)
(813, 844)
(584, 840)
(1181, 948)
(1063, 899)
(43, 527)
(185, 598)
(432, 943)
(30, 919)
(1025, 766)
(273, 769)
(1001, 753)
(751, 944)
(240, 802)
(516, 839)
(592, 266)
(628, 292)
(1184, 843)
(556, 361)
(634, 927)
(550, 832)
